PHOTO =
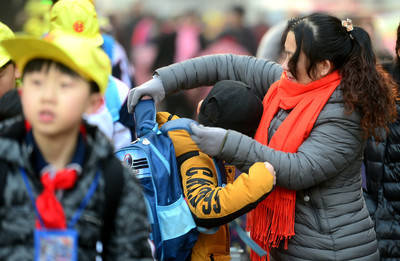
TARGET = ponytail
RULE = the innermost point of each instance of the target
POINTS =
(366, 87)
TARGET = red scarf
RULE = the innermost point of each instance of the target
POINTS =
(49, 208)
(273, 219)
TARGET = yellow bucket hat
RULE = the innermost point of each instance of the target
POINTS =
(77, 17)
(5, 33)
(74, 52)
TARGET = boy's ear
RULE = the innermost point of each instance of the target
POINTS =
(17, 73)
(96, 100)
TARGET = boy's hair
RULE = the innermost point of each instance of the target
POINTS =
(40, 64)
(232, 105)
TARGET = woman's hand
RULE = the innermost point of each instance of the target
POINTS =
(210, 140)
(153, 88)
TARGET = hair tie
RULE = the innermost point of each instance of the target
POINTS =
(348, 24)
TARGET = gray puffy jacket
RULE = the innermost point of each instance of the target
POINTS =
(332, 221)
(128, 237)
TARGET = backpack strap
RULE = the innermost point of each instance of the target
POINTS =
(114, 182)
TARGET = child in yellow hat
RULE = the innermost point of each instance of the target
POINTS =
(62, 190)
(79, 18)
(9, 100)
(38, 18)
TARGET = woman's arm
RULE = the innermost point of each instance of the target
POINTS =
(210, 204)
(259, 74)
(331, 147)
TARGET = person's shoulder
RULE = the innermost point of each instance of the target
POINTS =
(335, 109)
(112, 164)
(10, 104)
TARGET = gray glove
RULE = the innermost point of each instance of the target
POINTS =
(153, 88)
(209, 139)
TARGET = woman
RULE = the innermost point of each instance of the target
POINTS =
(317, 115)
(382, 162)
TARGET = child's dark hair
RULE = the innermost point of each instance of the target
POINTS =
(365, 88)
(40, 64)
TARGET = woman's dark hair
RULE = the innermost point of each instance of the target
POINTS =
(398, 44)
(365, 87)
(40, 64)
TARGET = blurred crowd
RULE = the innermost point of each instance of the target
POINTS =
(144, 41)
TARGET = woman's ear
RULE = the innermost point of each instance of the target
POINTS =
(96, 100)
(324, 68)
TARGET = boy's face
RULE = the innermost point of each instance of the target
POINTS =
(53, 101)
(8, 74)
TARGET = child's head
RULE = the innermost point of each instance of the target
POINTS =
(62, 78)
(8, 71)
(231, 105)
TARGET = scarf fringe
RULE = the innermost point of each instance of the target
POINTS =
(277, 210)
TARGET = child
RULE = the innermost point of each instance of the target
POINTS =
(214, 206)
(79, 18)
(9, 101)
(62, 189)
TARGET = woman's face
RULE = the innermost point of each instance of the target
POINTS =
(302, 76)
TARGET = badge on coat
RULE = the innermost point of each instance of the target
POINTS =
(56, 245)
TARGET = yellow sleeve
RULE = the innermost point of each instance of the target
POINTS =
(212, 205)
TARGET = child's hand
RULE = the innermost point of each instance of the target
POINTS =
(271, 170)
(263, 173)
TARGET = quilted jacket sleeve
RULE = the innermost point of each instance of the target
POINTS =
(207, 70)
(334, 142)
